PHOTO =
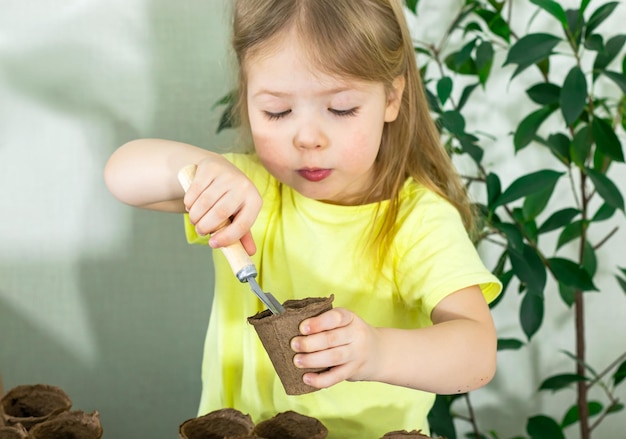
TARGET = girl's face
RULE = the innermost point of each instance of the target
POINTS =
(317, 133)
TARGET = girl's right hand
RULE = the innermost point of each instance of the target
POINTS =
(220, 193)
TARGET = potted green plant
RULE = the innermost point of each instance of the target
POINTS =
(578, 116)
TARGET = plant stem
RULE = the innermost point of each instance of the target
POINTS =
(472, 415)
(579, 304)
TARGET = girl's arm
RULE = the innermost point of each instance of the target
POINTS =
(455, 355)
(144, 173)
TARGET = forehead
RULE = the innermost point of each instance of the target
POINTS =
(284, 63)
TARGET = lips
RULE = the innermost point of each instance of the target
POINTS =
(314, 174)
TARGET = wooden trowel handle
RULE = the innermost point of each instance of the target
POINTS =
(236, 255)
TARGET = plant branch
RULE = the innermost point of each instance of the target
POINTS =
(606, 238)
(608, 369)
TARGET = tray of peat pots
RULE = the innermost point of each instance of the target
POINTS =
(42, 411)
(230, 423)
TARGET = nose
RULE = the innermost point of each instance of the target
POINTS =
(310, 135)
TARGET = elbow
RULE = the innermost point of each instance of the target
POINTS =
(112, 179)
(485, 370)
(116, 176)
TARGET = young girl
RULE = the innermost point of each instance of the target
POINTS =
(347, 192)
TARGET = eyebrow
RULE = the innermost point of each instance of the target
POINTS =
(280, 94)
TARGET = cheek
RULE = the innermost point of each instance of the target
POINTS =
(363, 145)
(266, 147)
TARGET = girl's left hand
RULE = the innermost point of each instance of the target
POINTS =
(340, 340)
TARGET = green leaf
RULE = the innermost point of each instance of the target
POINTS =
(509, 344)
(472, 26)
(606, 189)
(622, 283)
(572, 416)
(570, 232)
(497, 25)
(620, 374)
(484, 61)
(543, 427)
(559, 219)
(573, 95)
(594, 43)
(467, 91)
(433, 102)
(544, 93)
(469, 145)
(529, 269)
(559, 145)
(529, 184)
(467, 68)
(444, 89)
(574, 27)
(571, 274)
(531, 49)
(531, 314)
(528, 127)
(583, 6)
(590, 261)
(439, 417)
(453, 121)
(618, 407)
(558, 382)
(598, 16)
(513, 235)
(228, 119)
(604, 213)
(554, 9)
(463, 55)
(606, 140)
(412, 5)
(580, 148)
(568, 294)
(228, 98)
(618, 78)
(535, 203)
(604, 57)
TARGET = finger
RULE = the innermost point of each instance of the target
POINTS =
(328, 378)
(321, 340)
(234, 231)
(211, 218)
(248, 243)
(325, 358)
(332, 319)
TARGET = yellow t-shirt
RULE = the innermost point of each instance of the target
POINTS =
(307, 248)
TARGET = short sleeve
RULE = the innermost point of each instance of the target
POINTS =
(437, 257)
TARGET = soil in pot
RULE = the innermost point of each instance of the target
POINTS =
(218, 424)
(291, 425)
(32, 404)
(69, 425)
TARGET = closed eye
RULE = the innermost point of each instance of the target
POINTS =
(349, 112)
(276, 116)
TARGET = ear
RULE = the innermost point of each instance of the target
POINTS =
(394, 99)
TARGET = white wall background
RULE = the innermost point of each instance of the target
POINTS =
(109, 302)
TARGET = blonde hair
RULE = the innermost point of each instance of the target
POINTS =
(367, 40)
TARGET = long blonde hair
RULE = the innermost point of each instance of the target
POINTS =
(367, 40)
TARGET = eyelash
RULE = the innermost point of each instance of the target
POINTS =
(340, 113)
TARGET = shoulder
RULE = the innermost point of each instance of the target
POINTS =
(422, 206)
